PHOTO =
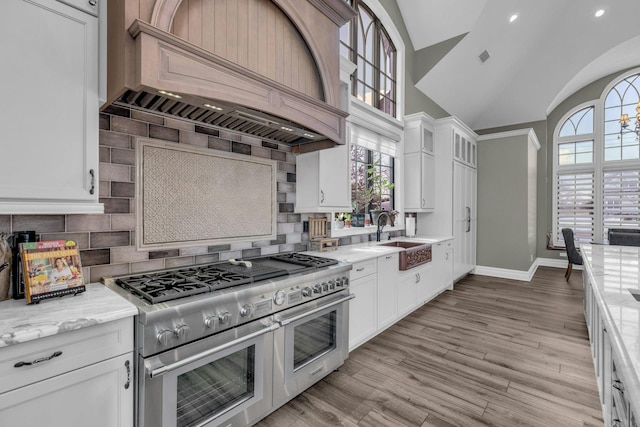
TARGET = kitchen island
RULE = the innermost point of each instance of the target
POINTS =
(611, 278)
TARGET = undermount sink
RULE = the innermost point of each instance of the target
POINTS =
(413, 255)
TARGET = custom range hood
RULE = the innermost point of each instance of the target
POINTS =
(265, 68)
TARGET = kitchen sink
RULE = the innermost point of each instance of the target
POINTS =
(413, 255)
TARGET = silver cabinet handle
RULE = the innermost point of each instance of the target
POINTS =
(446, 255)
(321, 196)
(360, 269)
(468, 219)
(35, 362)
(388, 257)
(93, 2)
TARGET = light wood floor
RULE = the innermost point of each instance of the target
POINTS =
(491, 352)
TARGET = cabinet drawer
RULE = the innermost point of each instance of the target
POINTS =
(78, 348)
(363, 268)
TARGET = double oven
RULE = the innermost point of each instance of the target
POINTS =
(231, 356)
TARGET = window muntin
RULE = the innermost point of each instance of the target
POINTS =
(366, 43)
(611, 164)
(361, 160)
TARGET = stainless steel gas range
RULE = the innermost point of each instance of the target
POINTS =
(228, 343)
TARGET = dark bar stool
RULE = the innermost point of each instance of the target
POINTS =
(572, 253)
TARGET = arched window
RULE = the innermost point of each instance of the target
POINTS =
(597, 164)
(366, 43)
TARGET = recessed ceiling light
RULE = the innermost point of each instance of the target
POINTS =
(599, 13)
(513, 17)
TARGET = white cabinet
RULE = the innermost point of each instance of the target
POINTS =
(387, 290)
(465, 218)
(49, 79)
(83, 377)
(427, 286)
(362, 309)
(419, 182)
(419, 179)
(455, 210)
(407, 290)
(322, 181)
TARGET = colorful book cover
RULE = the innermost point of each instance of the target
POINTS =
(51, 269)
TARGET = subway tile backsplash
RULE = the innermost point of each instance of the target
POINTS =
(107, 241)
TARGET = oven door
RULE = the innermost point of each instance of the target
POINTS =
(225, 378)
(312, 342)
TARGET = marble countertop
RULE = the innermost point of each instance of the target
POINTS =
(20, 322)
(365, 251)
(614, 272)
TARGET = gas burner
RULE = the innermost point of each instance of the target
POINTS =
(303, 259)
(161, 287)
(215, 277)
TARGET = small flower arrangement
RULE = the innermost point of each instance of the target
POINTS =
(392, 216)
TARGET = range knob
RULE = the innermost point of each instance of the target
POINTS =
(317, 288)
(182, 331)
(246, 310)
(211, 322)
(345, 281)
(339, 282)
(225, 317)
(164, 336)
(332, 285)
(306, 291)
(279, 297)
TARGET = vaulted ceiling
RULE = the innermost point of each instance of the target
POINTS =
(552, 49)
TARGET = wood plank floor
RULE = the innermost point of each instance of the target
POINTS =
(491, 352)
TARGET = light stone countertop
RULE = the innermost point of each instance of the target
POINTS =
(365, 251)
(614, 271)
(20, 322)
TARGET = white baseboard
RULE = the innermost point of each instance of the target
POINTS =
(526, 276)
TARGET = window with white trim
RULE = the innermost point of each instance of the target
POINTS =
(597, 166)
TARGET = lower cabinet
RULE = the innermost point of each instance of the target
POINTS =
(614, 397)
(385, 295)
(76, 379)
(91, 396)
(362, 314)
(387, 290)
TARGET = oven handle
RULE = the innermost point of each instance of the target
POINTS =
(152, 373)
(284, 322)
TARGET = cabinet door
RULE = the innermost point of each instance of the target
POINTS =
(49, 79)
(426, 286)
(419, 182)
(99, 395)
(335, 190)
(362, 313)
(407, 293)
(387, 289)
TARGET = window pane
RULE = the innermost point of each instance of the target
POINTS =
(584, 158)
(567, 159)
(579, 123)
(630, 152)
(621, 199)
(584, 147)
(612, 153)
(575, 208)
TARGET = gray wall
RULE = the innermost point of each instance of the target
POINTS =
(415, 100)
(506, 203)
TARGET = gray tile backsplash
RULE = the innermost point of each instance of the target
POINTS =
(107, 241)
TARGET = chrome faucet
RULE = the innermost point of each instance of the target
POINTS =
(381, 226)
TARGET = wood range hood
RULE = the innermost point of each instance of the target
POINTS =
(268, 68)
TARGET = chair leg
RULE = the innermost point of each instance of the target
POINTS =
(567, 274)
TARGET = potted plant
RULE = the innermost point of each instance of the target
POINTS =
(339, 220)
(347, 220)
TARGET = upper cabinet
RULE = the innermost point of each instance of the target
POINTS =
(419, 170)
(49, 77)
(323, 181)
(464, 148)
